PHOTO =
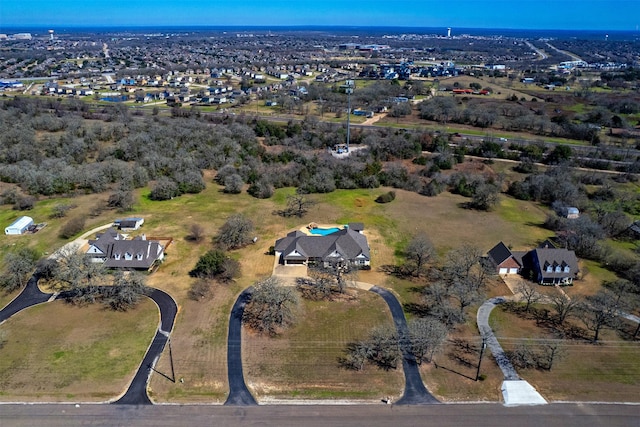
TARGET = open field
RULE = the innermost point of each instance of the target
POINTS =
(608, 371)
(303, 362)
(53, 353)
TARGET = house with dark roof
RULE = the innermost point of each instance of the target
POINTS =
(553, 265)
(504, 261)
(115, 251)
(129, 223)
(345, 246)
(546, 264)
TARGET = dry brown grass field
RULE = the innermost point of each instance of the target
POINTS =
(60, 352)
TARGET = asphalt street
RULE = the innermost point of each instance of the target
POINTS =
(444, 415)
(415, 393)
(30, 295)
(136, 394)
(239, 394)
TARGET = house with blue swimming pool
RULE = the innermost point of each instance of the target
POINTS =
(344, 245)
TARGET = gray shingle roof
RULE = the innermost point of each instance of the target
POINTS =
(120, 253)
(347, 243)
(556, 257)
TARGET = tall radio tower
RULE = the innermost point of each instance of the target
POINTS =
(51, 35)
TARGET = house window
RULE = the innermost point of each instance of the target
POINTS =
(558, 269)
(567, 269)
(139, 257)
(128, 256)
(549, 269)
(116, 256)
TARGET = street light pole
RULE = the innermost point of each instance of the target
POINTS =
(484, 345)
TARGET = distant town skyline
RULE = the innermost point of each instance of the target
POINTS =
(623, 15)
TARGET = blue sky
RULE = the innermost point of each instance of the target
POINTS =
(520, 14)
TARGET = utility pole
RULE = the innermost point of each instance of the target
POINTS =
(484, 345)
(349, 90)
(173, 373)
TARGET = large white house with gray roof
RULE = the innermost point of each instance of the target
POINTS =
(345, 246)
(115, 251)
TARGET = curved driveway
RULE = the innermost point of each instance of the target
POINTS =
(31, 295)
(136, 394)
(239, 394)
(415, 393)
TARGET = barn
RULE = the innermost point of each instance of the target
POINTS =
(19, 226)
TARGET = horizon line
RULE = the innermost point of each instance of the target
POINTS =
(282, 26)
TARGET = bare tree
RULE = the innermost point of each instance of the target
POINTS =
(384, 347)
(600, 311)
(427, 336)
(551, 351)
(466, 293)
(121, 200)
(125, 292)
(72, 227)
(60, 210)
(419, 252)
(337, 276)
(196, 233)
(235, 233)
(564, 306)
(75, 271)
(297, 205)
(200, 289)
(529, 293)
(464, 263)
(272, 306)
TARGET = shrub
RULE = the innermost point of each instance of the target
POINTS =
(72, 227)
(201, 289)
(215, 264)
(386, 197)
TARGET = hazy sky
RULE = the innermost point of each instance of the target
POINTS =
(534, 14)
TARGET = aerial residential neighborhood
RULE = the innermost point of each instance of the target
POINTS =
(368, 221)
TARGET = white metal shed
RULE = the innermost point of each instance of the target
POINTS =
(19, 226)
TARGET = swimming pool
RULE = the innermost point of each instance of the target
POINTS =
(323, 231)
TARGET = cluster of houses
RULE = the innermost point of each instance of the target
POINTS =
(546, 264)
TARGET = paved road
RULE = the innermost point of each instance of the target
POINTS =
(453, 415)
(239, 394)
(496, 349)
(415, 393)
(136, 394)
(30, 295)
